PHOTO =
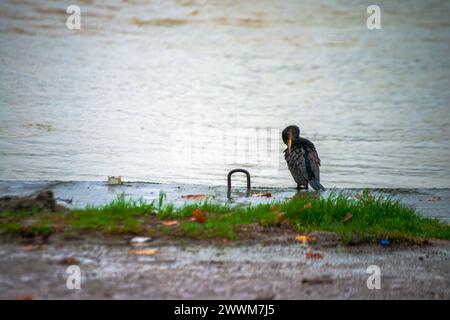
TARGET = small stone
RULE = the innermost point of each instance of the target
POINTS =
(68, 261)
(325, 279)
(323, 238)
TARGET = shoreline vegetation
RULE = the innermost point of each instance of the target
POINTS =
(307, 218)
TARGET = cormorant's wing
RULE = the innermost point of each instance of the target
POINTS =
(304, 163)
(296, 164)
(312, 164)
(314, 160)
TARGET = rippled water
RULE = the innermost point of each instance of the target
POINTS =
(114, 97)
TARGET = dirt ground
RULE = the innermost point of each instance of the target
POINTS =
(275, 268)
(249, 270)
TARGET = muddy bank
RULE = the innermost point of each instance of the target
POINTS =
(38, 220)
(223, 272)
(44, 201)
(263, 263)
(432, 203)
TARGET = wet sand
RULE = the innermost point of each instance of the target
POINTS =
(239, 271)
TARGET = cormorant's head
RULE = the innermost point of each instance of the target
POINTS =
(291, 133)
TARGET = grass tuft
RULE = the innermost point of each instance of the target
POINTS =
(372, 218)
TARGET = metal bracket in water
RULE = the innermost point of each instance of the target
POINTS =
(249, 188)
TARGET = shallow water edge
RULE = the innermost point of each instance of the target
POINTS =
(433, 203)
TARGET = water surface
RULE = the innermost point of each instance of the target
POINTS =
(119, 96)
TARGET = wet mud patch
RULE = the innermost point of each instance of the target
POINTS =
(44, 201)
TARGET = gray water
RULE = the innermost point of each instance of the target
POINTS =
(115, 97)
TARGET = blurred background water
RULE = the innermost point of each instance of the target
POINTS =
(110, 98)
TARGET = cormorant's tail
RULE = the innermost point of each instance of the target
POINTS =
(315, 184)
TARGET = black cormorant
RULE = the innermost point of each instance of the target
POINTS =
(302, 159)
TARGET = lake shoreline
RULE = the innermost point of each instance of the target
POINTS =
(306, 217)
(268, 259)
(430, 202)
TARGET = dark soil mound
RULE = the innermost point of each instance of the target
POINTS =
(44, 201)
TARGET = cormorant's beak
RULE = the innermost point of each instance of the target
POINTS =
(289, 144)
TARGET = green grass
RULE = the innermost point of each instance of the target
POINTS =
(374, 218)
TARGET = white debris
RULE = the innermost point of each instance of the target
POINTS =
(114, 180)
(139, 240)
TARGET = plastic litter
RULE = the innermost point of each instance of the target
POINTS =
(112, 181)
